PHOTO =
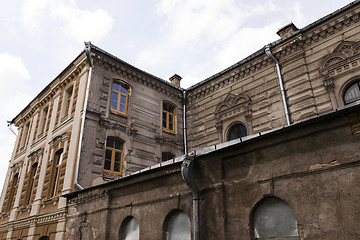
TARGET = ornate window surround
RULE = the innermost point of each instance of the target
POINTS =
(339, 69)
(234, 108)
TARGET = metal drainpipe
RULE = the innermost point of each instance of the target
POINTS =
(268, 52)
(88, 55)
(184, 122)
(188, 176)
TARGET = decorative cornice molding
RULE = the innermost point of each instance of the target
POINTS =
(88, 197)
(50, 217)
(108, 124)
(60, 138)
(233, 105)
(281, 50)
(135, 76)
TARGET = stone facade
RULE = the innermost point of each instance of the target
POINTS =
(92, 151)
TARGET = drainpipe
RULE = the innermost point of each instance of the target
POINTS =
(268, 52)
(184, 123)
(188, 176)
(88, 55)
(10, 123)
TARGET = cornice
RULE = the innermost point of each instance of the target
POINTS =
(135, 76)
(88, 197)
(49, 93)
(109, 124)
(50, 217)
(281, 49)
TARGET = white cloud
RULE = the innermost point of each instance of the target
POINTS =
(14, 96)
(31, 13)
(216, 34)
(76, 23)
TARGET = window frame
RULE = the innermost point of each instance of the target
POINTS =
(167, 114)
(118, 100)
(233, 125)
(113, 151)
(43, 120)
(356, 82)
(55, 173)
(12, 194)
(67, 102)
(29, 194)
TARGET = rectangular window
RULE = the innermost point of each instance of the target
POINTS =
(43, 119)
(168, 120)
(68, 96)
(25, 134)
(114, 156)
(119, 98)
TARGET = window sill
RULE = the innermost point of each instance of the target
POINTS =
(118, 113)
(169, 131)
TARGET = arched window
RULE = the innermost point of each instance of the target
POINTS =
(237, 130)
(12, 192)
(352, 93)
(274, 219)
(129, 229)
(167, 156)
(168, 117)
(31, 183)
(68, 97)
(114, 156)
(119, 98)
(54, 183)
(177, 226)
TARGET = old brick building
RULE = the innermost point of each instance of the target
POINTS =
(267, 148)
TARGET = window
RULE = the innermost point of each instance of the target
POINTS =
(352, 93)
(275, 219)
(12, 192)
(25, 134)
(177, 226)
(31, 183)
(129, 229)
(167, 156)
(55, 173)
(168, 117)
(68, 96)
(43, 119)
(114, 156)
(119, 98)
(237, 130)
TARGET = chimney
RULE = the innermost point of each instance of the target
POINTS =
(287, 30)
(175, 80)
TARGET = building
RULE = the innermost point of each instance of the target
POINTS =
(108, 151)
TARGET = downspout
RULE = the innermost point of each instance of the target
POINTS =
(10, 123)
(281, 83)
(184, 123)
(188, 176)
(88, 55)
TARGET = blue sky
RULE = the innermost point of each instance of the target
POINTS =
(193, 38)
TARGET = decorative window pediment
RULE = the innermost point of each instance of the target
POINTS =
(345, 57)
(233, 105)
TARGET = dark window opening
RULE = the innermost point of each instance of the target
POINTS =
(237, 130)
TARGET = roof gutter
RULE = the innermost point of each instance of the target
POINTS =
(281, 83)
(88, 55)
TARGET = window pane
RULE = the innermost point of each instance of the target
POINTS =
(117, 156)
(108, 154)
(116, 87)
(117, 167)
(352, 94)
(110, 142)
(165, 107)
(178, 227)
(130, 229)
(171, 109)
(237, 131)
(122, 108)
(114, 97)
(118, 145)
(107, 164)
(171, 122)
(164, 120)
(123, 90)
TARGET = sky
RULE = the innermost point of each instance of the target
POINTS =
(192, 38)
